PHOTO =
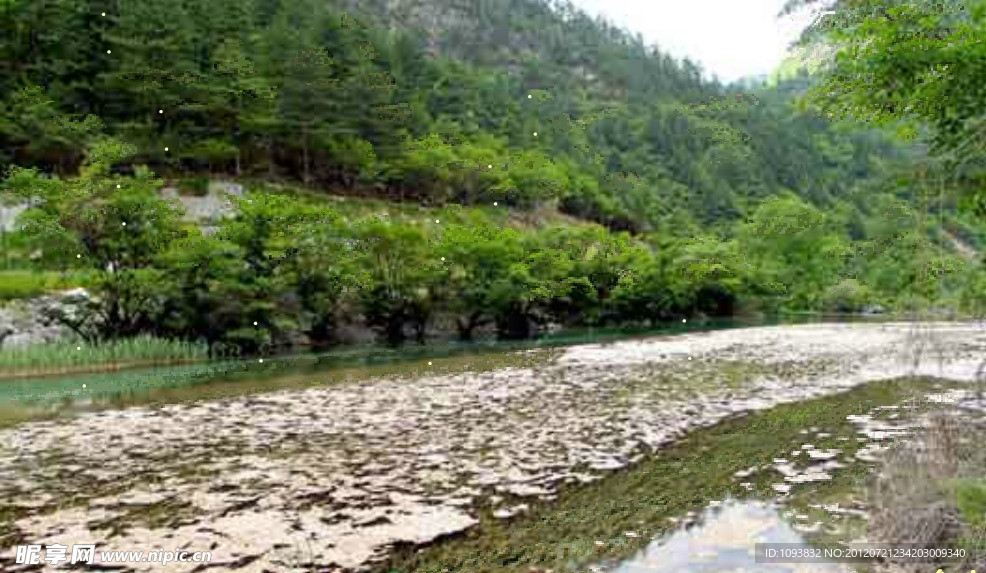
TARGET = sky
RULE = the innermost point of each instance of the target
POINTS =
(728, 38)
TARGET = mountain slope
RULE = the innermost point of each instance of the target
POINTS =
(625, 135)
(479, 125)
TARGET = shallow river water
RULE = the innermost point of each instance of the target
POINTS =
(723, 541)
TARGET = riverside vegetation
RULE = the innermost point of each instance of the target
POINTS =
(570, 175)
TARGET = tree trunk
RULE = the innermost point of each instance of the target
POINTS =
(467, 326)
(395, 329)
(237, 133)
(304, 146)
(3, 246)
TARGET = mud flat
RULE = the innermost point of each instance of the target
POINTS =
(332, 478)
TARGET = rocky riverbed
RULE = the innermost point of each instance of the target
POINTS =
(332, 477)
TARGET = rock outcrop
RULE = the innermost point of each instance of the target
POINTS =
(32, 321)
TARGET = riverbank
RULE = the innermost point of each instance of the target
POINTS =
(59, 359)
(345, 472)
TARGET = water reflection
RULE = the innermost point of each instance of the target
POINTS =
(724, 541)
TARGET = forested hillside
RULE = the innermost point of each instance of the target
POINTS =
(732, 200)
(625, 134)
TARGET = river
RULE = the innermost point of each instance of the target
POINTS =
(284, 467)
(39, 397)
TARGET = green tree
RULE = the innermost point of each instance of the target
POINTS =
(266, 230)
(35, 132)
(477, 261)
(919, 61)
(116, 227)
(239, 96)
(400, 267)
(795, 244)
(202, 305)
(324, 268)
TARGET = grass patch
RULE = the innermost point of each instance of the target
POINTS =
(356, 207)
(970, 499)
(19, 284)
(66, 356)
(561, 535)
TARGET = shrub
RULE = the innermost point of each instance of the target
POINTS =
(846, 296)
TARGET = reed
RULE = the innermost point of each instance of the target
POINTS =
(44, 357)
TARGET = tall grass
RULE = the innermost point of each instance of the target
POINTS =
(63, 355)
(932, 493)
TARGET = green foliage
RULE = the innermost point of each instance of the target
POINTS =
(795, 245)
(916, 61)
(26, 284)
(710, 201)
(971, 501)
(33, 124)
(295, 89)
(475, 264)
(112, 226)
(400, 270)
(848, 295)
(918, 66)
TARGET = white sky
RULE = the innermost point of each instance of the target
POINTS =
(728, 38)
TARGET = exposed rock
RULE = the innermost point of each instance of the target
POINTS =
(508, 512)
(9, 214)
(823, 455)
(30, 321)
